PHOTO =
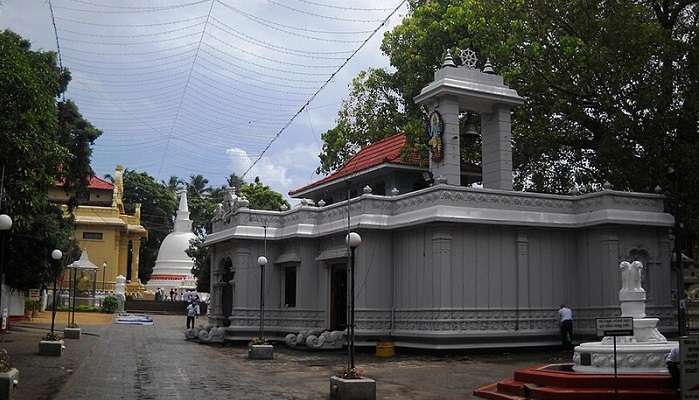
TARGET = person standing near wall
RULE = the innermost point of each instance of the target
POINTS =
(192, 311)
(565, 315)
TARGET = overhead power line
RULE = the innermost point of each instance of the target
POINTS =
(314, 3)
(332, 17)
(127, 10)
(286, 126)
(184, 91)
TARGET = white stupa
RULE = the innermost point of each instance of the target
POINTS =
(173, 267)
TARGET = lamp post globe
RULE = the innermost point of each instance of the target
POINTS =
(261, 261)
(353, 239)
(5, 222)
(56, 254)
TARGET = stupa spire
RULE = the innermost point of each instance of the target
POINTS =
(182, 221)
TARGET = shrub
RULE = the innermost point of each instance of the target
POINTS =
(110, 304)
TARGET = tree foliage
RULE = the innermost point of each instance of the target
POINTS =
(202, 263)
(41, 142)
(158, 206)
(261, 196)
(612, 88)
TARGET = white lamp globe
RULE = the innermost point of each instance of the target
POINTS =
(5, 222)
(353, 239)
(261, 260)
(56, 254)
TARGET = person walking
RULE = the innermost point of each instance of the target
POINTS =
(172, 294)
(192, 311)
(565, 315)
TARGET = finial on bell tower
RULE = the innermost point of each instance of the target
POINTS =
(448, 60)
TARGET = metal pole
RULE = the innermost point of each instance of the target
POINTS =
(352, 311)
(616, 383)
(104, 273)
(2, 265)
(262, 289)
(680, 276)
(350, 363)
(53, 312)
(75, 289)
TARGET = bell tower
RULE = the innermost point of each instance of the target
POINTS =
(465, 88)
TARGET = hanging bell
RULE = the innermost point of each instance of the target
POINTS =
(470, 129)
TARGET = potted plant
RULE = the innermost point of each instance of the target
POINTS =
(260, 349)
(350, 384)
(9, 377)
(72, 331)
(51, 345)
(30, 308)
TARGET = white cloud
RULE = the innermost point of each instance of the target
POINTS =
(282, 170)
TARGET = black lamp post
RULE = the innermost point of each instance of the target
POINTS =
(5, 226)
(262, 261)
(56, 255)
(353, 241)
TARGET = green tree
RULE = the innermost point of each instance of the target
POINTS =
(36, 151)
(202, 263)
(197, 186)
(261, 196)
(174, 184)
(372, 111)
(158, 206)
(612, 88)
(234, 181)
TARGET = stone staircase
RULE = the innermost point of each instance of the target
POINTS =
(559, 382)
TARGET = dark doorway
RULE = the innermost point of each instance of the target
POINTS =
(227, 276)
(338, 297)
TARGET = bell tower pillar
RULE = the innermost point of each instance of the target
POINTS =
(465, 88)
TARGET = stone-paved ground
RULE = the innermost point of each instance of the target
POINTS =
(154, 362)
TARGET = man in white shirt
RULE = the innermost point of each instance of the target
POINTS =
(192, 312)
(672, 360)
(566, 324)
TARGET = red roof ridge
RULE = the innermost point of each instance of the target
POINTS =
(385, 150)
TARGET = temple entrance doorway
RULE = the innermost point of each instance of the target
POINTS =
(228, 279)
(338, 297)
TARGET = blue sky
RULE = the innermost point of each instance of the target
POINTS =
(177, 95)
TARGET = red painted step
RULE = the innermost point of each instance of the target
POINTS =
(560, 383)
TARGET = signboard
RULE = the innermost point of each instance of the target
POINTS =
(689, 368)
(34, 294)
(618, 326)
(4, 319)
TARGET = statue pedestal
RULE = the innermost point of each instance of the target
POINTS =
(644, 352)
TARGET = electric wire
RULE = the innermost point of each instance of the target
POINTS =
(131, 43)
(131, 11)
(276, 25)
(184, 91)
(314, 3)
(300, 11)
(278, 134)
(82, 22)
(150, 34)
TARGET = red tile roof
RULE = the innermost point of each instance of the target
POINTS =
(95, 183)
(387, 150)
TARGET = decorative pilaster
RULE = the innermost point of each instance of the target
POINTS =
(135, 258)
(522, 275)
(441, 259)
(496, 149)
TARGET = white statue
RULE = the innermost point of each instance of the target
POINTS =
(120, 291)
(631, 276)
(218, 212)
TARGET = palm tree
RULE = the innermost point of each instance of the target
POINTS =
(174, 184)
(234, 181)
(197, 186)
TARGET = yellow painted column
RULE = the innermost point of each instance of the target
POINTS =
(123, 254)
(135, 250)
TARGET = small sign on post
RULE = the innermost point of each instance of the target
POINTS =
(617, 326)
(5, 314)
(689, 368)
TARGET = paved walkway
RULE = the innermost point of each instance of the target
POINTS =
(154, 362)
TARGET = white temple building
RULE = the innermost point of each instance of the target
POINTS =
(173, 267)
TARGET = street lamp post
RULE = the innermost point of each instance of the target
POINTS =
(5, 225)
(353, 241)
(262, 261)
(56, 255)
(104, 274)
